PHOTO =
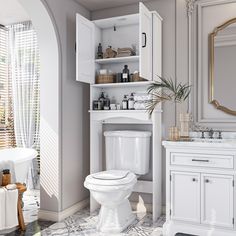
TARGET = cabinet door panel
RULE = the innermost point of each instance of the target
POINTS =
(156, 46)
(185, 196)
(84, 50)
(145, 42)
(217, 200)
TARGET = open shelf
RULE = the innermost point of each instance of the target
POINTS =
(117, 85)
(117, 60)
(118, 111)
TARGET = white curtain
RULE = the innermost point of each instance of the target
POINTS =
(24, 63)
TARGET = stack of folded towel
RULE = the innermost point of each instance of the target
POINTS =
(8, 207)
(125, 52)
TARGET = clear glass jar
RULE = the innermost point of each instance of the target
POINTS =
(184, 119)
(174, 133)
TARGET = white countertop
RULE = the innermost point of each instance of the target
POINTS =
(209, 143)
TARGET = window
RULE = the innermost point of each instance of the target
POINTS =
(6, 114)
(25, 77)
(19, 86)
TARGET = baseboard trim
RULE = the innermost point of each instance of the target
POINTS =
(58, 216)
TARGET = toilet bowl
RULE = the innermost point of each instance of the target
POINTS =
(111, 189)
(127, 156)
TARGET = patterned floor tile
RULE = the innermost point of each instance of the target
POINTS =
(83, 223)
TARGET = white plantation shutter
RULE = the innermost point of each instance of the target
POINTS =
(6, 116)
(19, 74)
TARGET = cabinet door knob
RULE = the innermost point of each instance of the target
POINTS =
(207, 180)
(194, 179)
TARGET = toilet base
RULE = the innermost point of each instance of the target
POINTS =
(114, 219)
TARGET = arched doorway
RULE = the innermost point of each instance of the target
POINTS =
(50, 74)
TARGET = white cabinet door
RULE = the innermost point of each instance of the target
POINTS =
(217, 200)
(145, 42)
(85, 70)
(156, 46)
(185, 196)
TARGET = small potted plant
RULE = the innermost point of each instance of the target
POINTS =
(169, 90)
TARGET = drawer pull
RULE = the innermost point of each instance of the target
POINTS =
(200, 160)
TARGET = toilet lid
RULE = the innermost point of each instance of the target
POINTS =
(111, 177)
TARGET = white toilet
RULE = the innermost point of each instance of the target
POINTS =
(127, 155)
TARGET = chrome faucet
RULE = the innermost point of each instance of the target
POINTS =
(211, 133)
(220, 134)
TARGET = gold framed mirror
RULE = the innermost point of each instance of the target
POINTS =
(222, 67)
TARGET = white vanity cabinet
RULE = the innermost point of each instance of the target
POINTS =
(185, 206)
(144, 30)
(217, 200)
(200, 193)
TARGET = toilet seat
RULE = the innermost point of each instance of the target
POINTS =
(111, 178)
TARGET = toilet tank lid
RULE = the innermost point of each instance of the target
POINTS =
(128, 134)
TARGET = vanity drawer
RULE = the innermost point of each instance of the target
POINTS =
(207, 160)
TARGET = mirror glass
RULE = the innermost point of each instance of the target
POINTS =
(223, 67)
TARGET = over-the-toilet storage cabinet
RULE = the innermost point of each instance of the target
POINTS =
(144, 30)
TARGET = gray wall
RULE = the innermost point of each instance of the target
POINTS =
(75, 96)
(74, 105)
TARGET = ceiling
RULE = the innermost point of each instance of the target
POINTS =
(12, 12)
(94, 5)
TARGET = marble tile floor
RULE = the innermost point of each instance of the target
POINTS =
(32, 228)
(83, 223)
(31, 200)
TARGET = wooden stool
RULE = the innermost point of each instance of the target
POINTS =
(21, 189)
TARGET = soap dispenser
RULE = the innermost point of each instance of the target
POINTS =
(102, 100)
(125, 103)
(131, 102)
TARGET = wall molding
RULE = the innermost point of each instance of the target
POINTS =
(58, 216)
(190, 6)
(198, 102)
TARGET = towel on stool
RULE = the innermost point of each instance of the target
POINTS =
(8, 208)
(2, 208)
(11, 208)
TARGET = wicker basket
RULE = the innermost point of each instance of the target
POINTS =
(104, 79)
(137, 78)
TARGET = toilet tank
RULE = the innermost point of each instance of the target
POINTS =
(128, 150)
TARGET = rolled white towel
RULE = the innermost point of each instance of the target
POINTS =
(2, 208)
(11, 208)
(11, 186)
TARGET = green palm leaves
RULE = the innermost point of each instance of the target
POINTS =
(167, 90)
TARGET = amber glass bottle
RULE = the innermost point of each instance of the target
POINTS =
(6, 177)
